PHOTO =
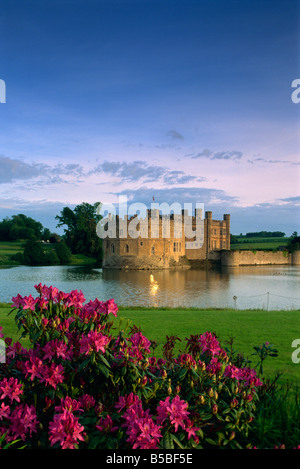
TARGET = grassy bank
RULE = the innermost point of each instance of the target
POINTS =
(248, 329)
(9, 248)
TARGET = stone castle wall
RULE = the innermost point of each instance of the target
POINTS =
(243, 257)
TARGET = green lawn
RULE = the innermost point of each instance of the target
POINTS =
(248, 328)
(259, 243)
(8, 249)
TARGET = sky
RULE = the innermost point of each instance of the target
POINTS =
(186, 101)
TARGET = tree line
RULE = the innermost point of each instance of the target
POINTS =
(79, 236)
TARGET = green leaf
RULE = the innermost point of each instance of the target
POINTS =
(210, 441)
(102, 357)
(174, 438)
(104, 370)
(168, 441)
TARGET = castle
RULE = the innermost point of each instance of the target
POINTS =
(164, 242)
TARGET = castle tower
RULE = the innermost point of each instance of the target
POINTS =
(226, 218)
(208, 229)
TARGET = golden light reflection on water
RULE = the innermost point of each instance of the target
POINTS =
(154, 287)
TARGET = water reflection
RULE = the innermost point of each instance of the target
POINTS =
(192, 288)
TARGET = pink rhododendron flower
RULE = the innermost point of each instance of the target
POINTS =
(106, 425)
(214, 366)
(66, 430)
(4, 411)
(186, 360)
(67, 403)
(23, 421)
(142, 432)
(176, 411)
(17, 301)
(56, 348)
(127, 401)
(34, 367)
(53, 375)
(29, 302)
(111, 307)
(209, 343)
(93, 342)
(87, 402)
(74, 298)
(11, 388)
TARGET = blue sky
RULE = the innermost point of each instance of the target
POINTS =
(183, 100)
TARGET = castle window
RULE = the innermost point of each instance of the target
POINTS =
(141, 243)
(153, 250)
(175, 246)
(126, 248)
(112, 248)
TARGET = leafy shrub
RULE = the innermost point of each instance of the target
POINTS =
(86, 383)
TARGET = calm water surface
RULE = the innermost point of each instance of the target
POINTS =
(267, 287)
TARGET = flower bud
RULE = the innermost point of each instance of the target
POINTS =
(144, 381)
(210, 392)
(233, 403)
(215, 409)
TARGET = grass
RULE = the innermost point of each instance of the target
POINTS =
(248, 329)
(9, 248)
(259, 243)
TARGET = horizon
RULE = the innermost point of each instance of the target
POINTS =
(185, 101)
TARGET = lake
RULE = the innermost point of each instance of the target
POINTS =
(263, 287)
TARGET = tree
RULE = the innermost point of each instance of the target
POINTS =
(63, 252)
(46, 234)
(20, 227)
(33, 253)
(80, 232)
(294, 244)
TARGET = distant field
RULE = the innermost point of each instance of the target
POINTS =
(259, 243)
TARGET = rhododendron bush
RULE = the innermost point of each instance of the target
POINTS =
(85, 383)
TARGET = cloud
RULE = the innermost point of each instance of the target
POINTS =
(219, 155)
(13, 169)
(292, 200)
(175, 135)
(263, 160)
(182, 195)
(141, 171)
